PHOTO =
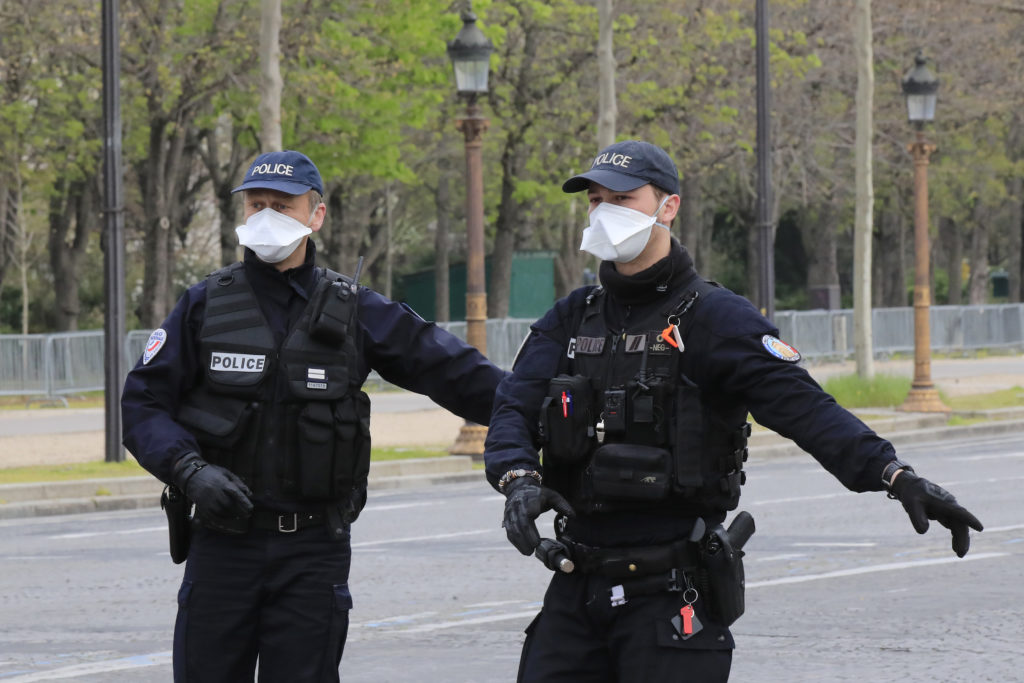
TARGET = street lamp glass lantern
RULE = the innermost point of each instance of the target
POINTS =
(470, 53)
(920, 88)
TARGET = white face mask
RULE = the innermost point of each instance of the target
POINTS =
(617, 233)
(273, 236)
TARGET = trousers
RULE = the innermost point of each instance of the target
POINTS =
(281, 599)
(580, 637)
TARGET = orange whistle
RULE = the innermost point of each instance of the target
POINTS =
(668, 334)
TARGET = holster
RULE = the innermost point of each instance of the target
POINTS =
(721, 563)
(176, 507)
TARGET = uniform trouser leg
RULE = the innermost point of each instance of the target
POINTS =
(579, 636)
(283, 598)
(304, 619)
(218, 609)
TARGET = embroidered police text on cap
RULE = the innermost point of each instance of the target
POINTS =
(626, 166)
(288, 171)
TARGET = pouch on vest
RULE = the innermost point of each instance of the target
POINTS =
(331, 311)
(223, 427)
(628, 472)
(567, 420)
(352, 429)
(689, 437)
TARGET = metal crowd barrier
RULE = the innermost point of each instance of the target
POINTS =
(51, 366)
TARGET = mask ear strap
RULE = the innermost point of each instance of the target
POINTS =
(658, 210)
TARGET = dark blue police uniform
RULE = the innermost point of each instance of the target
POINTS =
(277, 588)
(731, 354)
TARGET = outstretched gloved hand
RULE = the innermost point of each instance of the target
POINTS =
(525, 501)
(924, 500)
(216, 491)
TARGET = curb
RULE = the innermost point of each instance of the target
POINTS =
(130, 493)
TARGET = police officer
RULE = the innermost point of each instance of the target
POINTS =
(637, 392)
(248, 400)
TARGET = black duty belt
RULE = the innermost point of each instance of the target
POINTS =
(267, 520)
(286, 522)
(630, 563)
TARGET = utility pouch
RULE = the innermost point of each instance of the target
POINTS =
(567, 420)
(628, 472)
(332, 310)
(721, 560)
(176, 507)
(315, 450)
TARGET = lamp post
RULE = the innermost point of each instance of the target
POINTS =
(470, 53)
(920, 88)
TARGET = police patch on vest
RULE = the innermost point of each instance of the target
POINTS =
(153, 344)
(635, 343)
(237, 362)
(780, 349)
(590, 346)
(316, 378)
(658, 345)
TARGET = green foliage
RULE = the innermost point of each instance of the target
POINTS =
(852, 391)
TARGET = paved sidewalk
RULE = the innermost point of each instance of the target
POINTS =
(60, 435)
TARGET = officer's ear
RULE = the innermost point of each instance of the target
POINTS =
(669, 209)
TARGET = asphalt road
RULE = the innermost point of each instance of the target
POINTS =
(840, 588)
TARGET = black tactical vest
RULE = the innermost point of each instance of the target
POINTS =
(293, 414)
(663, 447)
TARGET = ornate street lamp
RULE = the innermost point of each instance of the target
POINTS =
(470, 53)
(920, 88)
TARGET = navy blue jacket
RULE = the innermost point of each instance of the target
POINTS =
(725, 355)
(402, 347)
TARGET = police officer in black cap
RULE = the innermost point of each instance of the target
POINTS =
(248, 400)
(637, 393)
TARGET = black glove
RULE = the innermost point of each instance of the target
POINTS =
(216, 491)
(924, 500)
(525, 501)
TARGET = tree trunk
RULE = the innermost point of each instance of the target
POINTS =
(442, 242)
(863, 213)
(1015, 244)
(977, 285)
(74, 205)
(818, 231)
(569, 264)
(890, 266)
(949, 235)
(270, 72)
(499, 286)
(607, 110)
(690, 223)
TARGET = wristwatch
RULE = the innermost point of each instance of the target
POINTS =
(515, 474)
(890, 470)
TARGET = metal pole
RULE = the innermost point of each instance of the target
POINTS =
(113, 254)
(923, 396)
(766, 251)
(471, 436)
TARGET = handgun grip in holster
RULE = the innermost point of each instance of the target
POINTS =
(176, 507)
(721, 556)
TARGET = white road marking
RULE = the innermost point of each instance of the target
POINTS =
(88, 534)
(76, 670)
(834, 544)
(870, 569)
(414, 539)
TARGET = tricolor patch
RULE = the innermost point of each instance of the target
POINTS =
(154, 344)
(780, 349)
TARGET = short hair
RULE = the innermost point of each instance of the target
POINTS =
(314, 199)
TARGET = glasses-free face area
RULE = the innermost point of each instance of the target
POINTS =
(643, 199)
(297, 206)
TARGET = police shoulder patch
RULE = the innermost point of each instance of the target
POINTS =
(780, 349)
(154, 344)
